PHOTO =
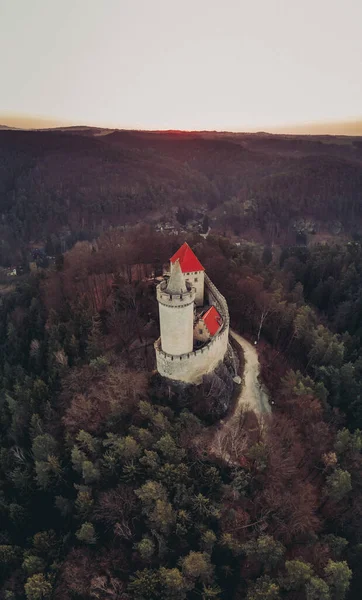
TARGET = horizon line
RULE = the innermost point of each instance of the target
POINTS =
(348, 127)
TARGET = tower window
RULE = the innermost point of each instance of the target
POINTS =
(200, 331)
(196, 279)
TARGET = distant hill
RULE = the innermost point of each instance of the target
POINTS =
(262, 186)
(351, 127)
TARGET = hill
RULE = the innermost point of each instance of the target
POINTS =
(117, 484)
(81, 180)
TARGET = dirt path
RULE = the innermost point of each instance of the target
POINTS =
(252, 394)
(229, 440)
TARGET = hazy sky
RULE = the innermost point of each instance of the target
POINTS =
(181, 64)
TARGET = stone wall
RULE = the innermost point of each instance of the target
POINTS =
(191, 366)
(214, 297)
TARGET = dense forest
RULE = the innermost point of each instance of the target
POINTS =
(80, 181)
(108, 487)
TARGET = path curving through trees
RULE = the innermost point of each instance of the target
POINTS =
(229, 440)
(252, 393)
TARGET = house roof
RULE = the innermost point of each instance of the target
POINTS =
(212, 320)
(188, 260)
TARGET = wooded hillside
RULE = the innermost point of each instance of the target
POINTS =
(109, 488)
(84, 180)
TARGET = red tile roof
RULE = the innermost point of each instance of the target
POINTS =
(212, 320)
(188, 260)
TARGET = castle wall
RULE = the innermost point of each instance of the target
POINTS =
(214, 297)
(191, 366)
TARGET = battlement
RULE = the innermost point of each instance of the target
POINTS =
(173, 300)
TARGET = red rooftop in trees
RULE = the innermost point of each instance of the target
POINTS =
(188, 260)
(212, 320)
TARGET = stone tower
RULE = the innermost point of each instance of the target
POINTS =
(176, 299)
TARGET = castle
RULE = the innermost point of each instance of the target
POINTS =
(194, 321)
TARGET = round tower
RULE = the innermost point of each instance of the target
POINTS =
(176, 307)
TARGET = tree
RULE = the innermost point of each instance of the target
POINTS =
(116, 508)
(33, 564)
(208, 540)
(266, 305)
(48, 472)
(241, 481)
(83, 465)
(202, 506)
(150, 492)
(264, 588)
(44, 446)
(231, 543)
(9, 556)
(197, 565)
(348, 443)
(146, 548)
(84, 503)
(259, 453)
(45, 542)
(107, 587)
(173, 583)
(38, 588)
(210, 591)
(338, 485)
(145, 584)
(94, 341)
(168, 448)
(162, 516)
(266, 550)
(299, 573)
(317, 589)
(18, 514)
(326, 349)
(336, 544)
(90, 472)
(63, 505)
(86, 533)
(338, 576)
(120, 449)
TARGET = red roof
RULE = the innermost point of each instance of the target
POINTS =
(212, 320)
(188, 260)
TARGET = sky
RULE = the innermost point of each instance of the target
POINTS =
(239, 65)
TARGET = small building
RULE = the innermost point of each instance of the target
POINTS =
(192, 270)
(208, 324)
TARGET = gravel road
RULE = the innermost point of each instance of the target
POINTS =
(228, 442)
(252, 394)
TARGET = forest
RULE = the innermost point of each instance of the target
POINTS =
(108, 488)
(268, 188)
